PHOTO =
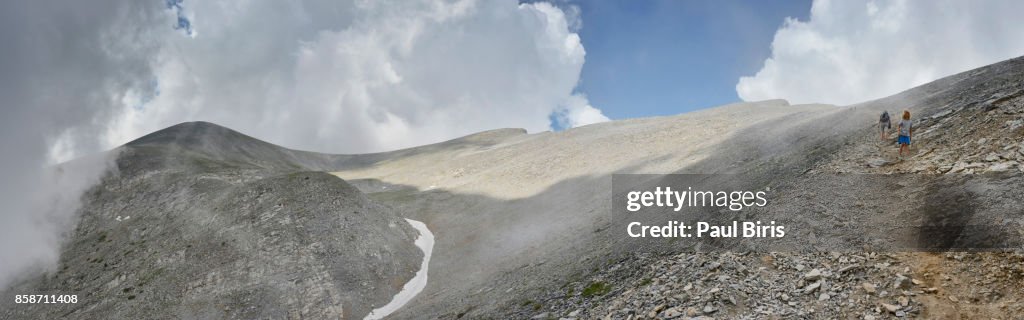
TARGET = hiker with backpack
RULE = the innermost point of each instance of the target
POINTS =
(884, 123)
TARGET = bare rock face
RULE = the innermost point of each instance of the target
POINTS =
(193, 226)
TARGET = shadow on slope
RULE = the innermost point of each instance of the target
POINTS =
(496, 257)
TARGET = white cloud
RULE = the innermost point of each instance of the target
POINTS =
(363, 76)
(577, 111)
(853, 51)
(323, 75)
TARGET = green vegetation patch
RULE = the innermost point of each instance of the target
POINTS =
(597, 288)
(645, 281)
(531, 304)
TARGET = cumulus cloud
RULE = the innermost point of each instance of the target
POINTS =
(363, 76)
(853, 51)
(323, 75)
(577, 111)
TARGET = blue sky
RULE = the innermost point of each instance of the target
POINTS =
(647, 58)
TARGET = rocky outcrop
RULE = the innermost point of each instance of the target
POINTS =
(203, 222)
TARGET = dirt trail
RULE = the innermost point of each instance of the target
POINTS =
(970, 285)
(932, 269)
(987, 138)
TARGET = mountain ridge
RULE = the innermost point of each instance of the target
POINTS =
(201, 220)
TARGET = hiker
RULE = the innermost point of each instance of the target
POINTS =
(906, 130)
(884, 123)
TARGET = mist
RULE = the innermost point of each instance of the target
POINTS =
(32, 241)
(60, 84)
(332, 76)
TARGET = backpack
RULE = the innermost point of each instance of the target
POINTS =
(885, 119)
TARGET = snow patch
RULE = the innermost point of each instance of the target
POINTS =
(425, 242)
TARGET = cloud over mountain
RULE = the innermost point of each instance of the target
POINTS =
(852, 51)
(362, 76)
(331, 76)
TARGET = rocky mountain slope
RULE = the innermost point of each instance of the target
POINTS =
(204, 222)
(201, 222)
(966, 124)
(523, 220)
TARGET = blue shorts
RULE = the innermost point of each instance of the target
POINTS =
(904, 140)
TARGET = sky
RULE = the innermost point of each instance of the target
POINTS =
(648, 58)
(354, 76)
